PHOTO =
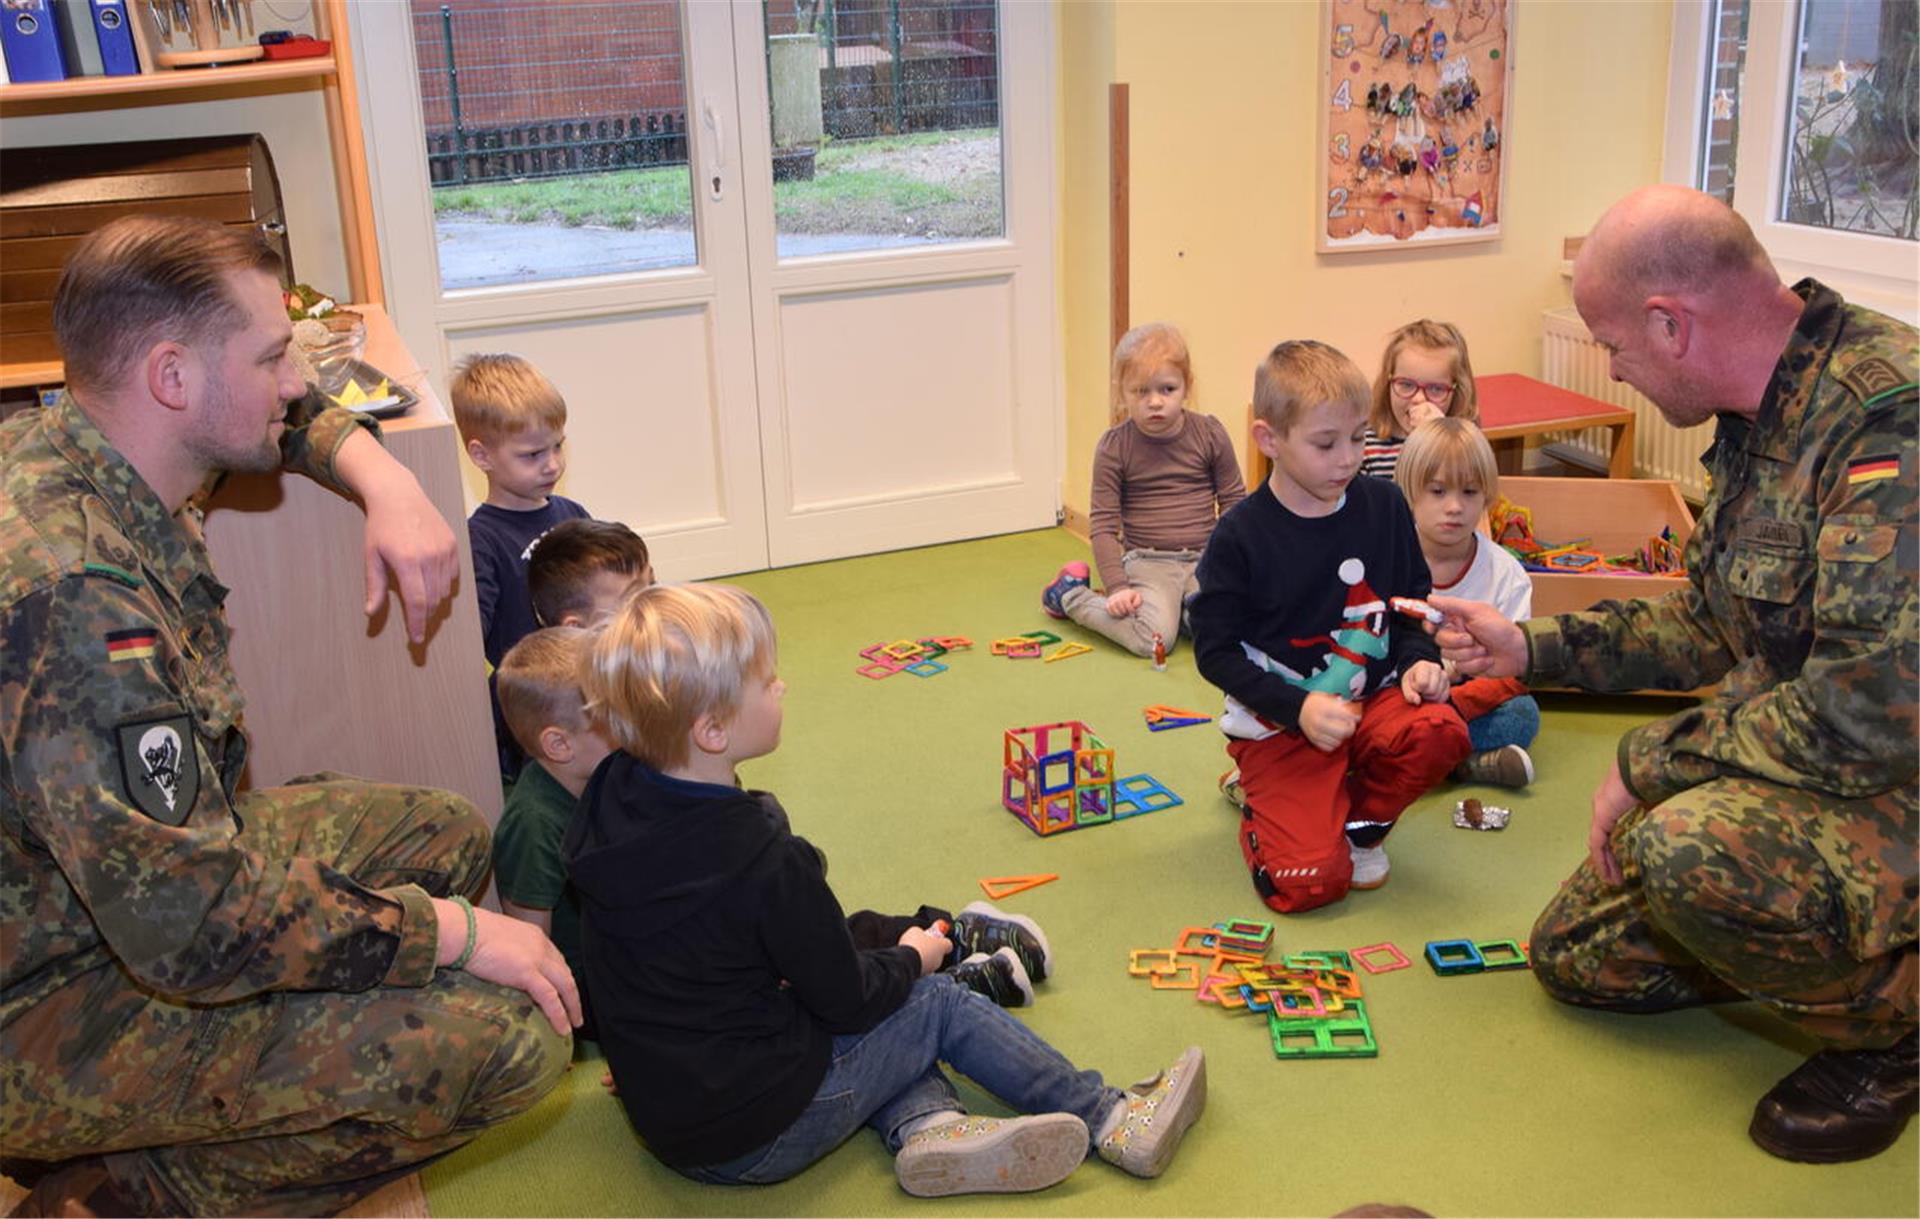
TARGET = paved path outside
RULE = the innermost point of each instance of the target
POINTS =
(478, 254)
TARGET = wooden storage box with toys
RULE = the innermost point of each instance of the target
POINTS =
(1597, 531)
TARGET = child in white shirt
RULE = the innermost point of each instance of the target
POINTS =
(1446, 471)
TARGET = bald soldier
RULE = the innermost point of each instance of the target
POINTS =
(215, 1001)
(1760, 845)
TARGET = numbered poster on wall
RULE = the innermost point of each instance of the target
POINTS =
(1413, 122)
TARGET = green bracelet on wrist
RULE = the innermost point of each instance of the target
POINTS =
(473, 932)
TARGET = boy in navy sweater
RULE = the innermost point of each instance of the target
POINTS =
(513, 425)
(750, 1026)
(1336, 705)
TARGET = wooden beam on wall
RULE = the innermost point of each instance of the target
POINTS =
(1117, 135)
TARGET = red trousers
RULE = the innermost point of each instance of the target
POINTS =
(1302, 803)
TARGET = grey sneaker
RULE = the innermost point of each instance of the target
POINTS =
(984, 927)
(1157, 1114)
(999, 976)
(1508, 766)
(991, 1155)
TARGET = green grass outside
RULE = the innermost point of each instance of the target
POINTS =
(848, 193)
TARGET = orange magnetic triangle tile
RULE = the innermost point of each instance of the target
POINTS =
(997, 887)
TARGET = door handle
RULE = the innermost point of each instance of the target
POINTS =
(717, 129)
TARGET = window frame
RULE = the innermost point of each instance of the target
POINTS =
(1880, 272)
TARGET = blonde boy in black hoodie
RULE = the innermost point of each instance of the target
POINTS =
(749, 1028)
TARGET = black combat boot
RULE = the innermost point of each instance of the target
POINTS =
(1840, 1105)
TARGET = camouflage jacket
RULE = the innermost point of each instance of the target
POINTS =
(122, 751)
(1801, 584)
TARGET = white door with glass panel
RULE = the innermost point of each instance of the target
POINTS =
(790, 264)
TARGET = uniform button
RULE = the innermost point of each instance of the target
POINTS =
(1852, 537)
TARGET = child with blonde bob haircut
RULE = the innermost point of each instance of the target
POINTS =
(1448, 475)
(750, 1025)
(1424, 374)
(1336, 712)
(1161, 477)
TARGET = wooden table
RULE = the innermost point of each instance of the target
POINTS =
(1514, 407)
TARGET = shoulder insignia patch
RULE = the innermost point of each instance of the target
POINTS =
(1875, 466)
(1874, 377)
(159, 767)
(135, 643)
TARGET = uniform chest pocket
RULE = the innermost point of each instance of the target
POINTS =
(1779, 577)
(1860, 586)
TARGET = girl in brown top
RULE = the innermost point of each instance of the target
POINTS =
(1161, 477)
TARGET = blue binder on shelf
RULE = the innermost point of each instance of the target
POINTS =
(112, 27)
(30, 39)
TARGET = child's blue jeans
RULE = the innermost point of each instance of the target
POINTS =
(1514, 722)
(890, 1075)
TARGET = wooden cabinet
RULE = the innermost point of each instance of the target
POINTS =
(328, 688)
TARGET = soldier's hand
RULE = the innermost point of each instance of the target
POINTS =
(516, 954)
(406, 536)
(408, 539)
(1478, 638)
(1611, 801)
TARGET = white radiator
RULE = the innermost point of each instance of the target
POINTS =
(1571, 359)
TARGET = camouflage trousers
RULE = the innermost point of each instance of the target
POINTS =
(1743, 889)
(289, 1102)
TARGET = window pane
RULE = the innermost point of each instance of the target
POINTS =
(556, 137)
(1854, 133)
(1720, 108)
(885, 117)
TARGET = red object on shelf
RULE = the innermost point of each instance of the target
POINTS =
(301, 47)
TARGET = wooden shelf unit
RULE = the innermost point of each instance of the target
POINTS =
(333, 73)
(15, 98)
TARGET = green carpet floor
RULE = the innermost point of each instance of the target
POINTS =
(1487, 1098)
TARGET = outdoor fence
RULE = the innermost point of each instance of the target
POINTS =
(597, 85)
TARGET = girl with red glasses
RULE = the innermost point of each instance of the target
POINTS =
(1425, 374)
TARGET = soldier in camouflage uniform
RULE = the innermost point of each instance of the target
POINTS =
(215, 1001)
(1762, 844)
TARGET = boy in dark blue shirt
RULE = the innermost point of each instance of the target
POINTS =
(513, 424)
(750, 1026)
(1336, 705)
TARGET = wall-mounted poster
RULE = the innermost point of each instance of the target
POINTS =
(1413, 122)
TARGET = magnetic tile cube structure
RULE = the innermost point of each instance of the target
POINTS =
(1057, 777)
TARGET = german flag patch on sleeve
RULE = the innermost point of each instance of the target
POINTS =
(135, 643)
(1867, 469)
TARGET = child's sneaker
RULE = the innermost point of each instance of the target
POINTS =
(1073, 575)
(1154, 1114)
(1231, 789)
(999, 976)
(1509, 766)
(991, 1155)
(1370, 866)
(984, 927)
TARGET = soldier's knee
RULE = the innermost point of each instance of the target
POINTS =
(1686, 859)
(527, 1060)
(1554, 957)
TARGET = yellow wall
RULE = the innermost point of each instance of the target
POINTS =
(1224, 192)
